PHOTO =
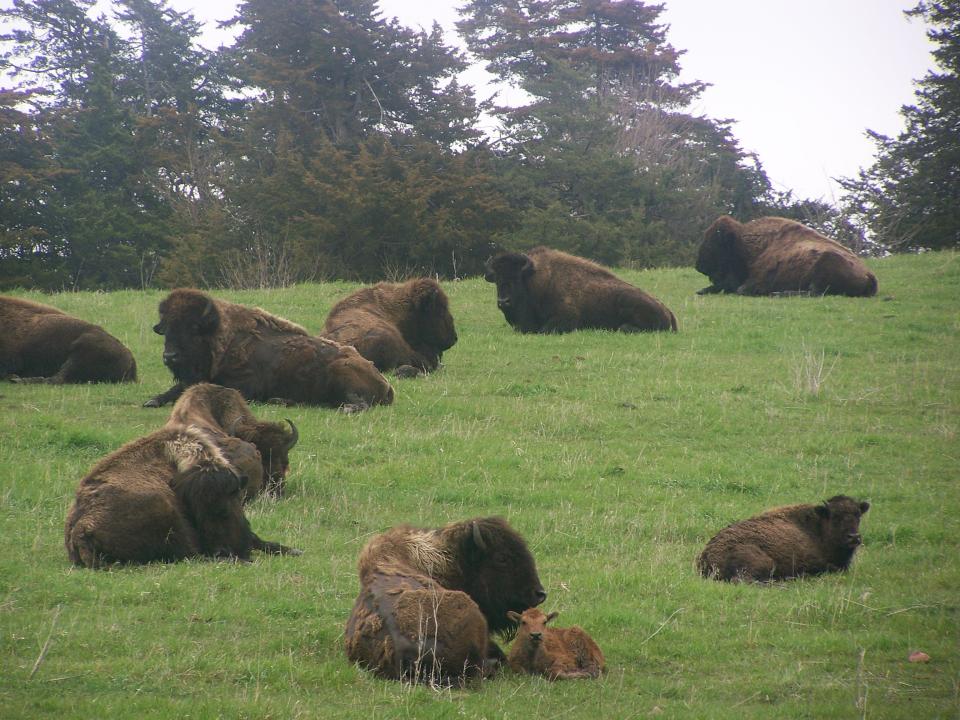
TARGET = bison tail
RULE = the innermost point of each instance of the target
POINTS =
(673, 321)
(81, 549)
(871, 288)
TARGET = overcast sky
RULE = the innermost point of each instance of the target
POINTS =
(802, 80)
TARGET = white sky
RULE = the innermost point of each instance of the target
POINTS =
(802, 80)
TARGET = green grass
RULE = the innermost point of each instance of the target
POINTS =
(616, 456)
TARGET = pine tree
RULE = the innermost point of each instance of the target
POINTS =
(910, 196)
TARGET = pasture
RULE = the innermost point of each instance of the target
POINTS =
(616, 456)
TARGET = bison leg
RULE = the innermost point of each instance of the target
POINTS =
(748, 563)
(408, 371)
(166, 397)
(711, 290)
(273, 548)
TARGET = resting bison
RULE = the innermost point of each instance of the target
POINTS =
(173, 494)
(261, 355)
(404, 326)
(775, 255)
(786, 542)
(429, 599)
(223, 411)
(547, 291)
(39, 343)
(557, 653)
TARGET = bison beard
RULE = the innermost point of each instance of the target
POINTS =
(263, 356)
(786, 542)
(547, 291)
(776, 255)
(429, 598)
(170, 495)
(223, 411)
(405, 326)
(40, 344)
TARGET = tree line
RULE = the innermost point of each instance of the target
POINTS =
(326, 141)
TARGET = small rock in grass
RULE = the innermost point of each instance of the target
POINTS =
(919, 656)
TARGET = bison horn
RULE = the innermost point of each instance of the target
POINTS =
(294, 435)
(477, 536)
(234, 425)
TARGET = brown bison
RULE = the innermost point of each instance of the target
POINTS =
(786, 542)
(776, 255)
(41, 344)
(430, 597)
(173, 494)
(548, 291)
(223, 411)
(556, 653)
(261, 355)
(404, 326)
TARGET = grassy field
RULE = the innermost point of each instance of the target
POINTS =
(616, 456)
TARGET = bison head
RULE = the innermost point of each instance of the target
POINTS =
(188, 320)
(511, 272)
(433, 323)
(274, 443)
(840, 523)
(532, 624)
(719, 257)
(498, 571)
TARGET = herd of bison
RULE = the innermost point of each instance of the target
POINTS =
(429, 598)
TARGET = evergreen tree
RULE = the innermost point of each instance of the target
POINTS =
(621, 173)
(910, 196)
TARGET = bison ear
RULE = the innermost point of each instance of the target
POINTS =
(864, 506)
(513, 615)
(551, 616)
(823, 510)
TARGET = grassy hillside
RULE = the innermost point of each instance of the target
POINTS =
(616, 456)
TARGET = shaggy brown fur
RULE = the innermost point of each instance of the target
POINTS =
(41, 344)
(786, 542)
(404, 326)
(429, 598)
(548, 291)
(173, 494)
(263, 356)
(223, 411)
(776, 255)
(557, 653)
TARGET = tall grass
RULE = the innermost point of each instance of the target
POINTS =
(617, 456)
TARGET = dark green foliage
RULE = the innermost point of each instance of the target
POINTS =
(910, 196)
(617, 170)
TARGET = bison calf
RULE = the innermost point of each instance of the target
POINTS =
(223, 411)
(170, 495)
(261, 355)
(548, 291)
(429, 599)
(39, 343)
(786, 542)
(777, 255)
(556, 653)
(405, 326)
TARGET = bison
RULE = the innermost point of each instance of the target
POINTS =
(41, 344)
(173, 494)
(556, 653)
(548, 291)
(776, 255)
(786, 542)
(261, 355)
(223, 411)
(429, 599)
(398, 326)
